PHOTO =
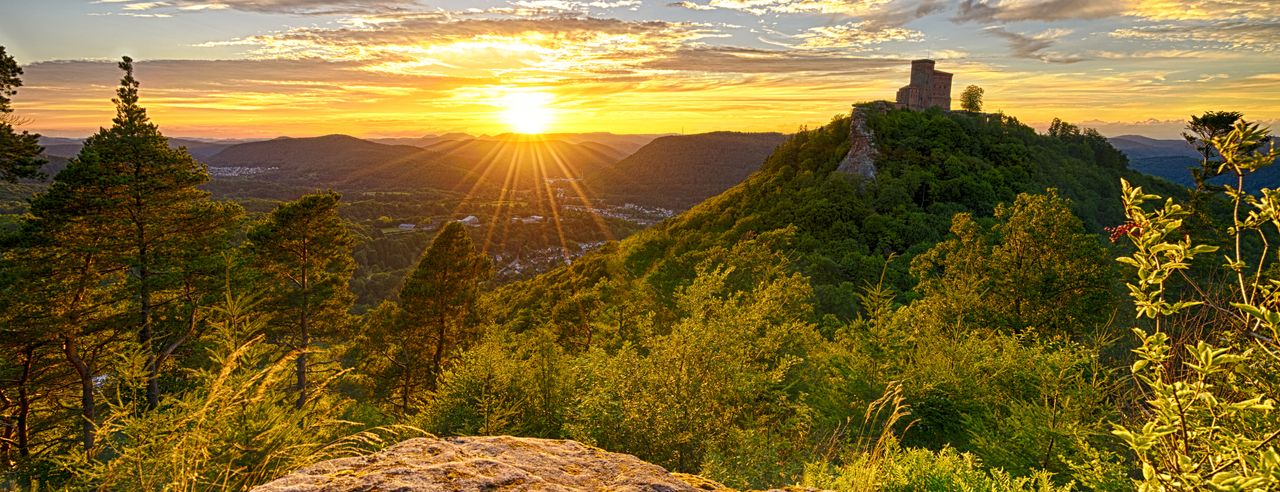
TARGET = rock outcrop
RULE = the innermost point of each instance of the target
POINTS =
(495, 463)
(861, 159)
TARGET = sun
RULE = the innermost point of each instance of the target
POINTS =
(527, 112)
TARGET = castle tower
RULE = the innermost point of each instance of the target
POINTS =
(929, 88)
(921, 72)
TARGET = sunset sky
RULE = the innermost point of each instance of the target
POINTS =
(262, 68)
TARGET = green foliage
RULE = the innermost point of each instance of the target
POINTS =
(121, 246)
(1034, 268)
(234, 429)
(931, 166)
(1201, 131)
(717, 385)
(922, 469)
(736, 352)
(743, 340)
(436, 315)
(1210, 420)
(1020, 402)
(971, 99)
(504, 386)
(1089, 144)
(19, 152)
(303, 253)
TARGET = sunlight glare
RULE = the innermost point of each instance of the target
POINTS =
(527, 112)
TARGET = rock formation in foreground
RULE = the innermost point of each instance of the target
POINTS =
(488, 463)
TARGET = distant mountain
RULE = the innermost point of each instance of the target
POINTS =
(64, 150)
(682, 170)
(346, 162)
(200, 149)
(1173, 160)
(623, 144)
(1140, 147)
(615, 153)
(423, 141)
(69, 147)
(626, 144)
(315, 154)
(516, 161)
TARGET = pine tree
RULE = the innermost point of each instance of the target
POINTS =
(129, 204)
(303, 251)
(19, 152)
(1201, 131)
(58, 295)
(438, 304)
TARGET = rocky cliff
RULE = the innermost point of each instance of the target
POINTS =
(861, 159)
(496, 463)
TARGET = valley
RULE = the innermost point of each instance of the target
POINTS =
(584, 189)
(639, 245)
(538, 203)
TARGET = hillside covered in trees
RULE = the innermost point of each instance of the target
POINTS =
(680, 171)
(960, 322)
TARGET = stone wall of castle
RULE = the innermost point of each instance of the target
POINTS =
(929, 88)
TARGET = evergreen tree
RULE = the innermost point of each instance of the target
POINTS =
(57, 301)
(19, 152)
(1201, 131)
(303, 252)
(437, 303)
(129, 204)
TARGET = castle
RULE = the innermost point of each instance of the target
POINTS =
(929, 88)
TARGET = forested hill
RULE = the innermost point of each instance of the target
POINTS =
(681, 170)
(833, 228)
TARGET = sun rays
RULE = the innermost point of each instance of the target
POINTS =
(527, 112)
(530, 173)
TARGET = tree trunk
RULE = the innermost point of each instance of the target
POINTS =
(24, 403)
(437, 358)
(405, 389)
(6, 438)
(144, 289)
(86, 392)
(304, 338)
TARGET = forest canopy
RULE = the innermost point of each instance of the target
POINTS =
(998, 309)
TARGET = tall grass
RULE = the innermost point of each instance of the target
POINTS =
(876, 462)
(234, 429)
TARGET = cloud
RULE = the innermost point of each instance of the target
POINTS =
(691, 6)
(1256, 36)
(761, 7)
(145, 5)
(1181, 10)
(399, 65)
(1000, 11)
(856, 35)
(575, 6)
(1033, 46)
(1004, 11)
(756, 61)
(307, 7)
(899, 14)
(438, 43)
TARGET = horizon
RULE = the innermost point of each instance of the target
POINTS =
(248, 69)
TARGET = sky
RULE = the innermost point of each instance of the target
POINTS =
(265, 68)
